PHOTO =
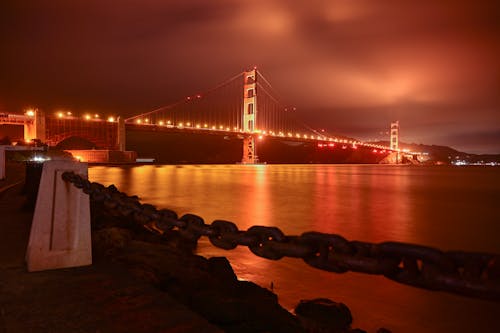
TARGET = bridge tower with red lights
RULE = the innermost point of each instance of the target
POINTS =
(249, 117)
(34, 126)
(395, 135)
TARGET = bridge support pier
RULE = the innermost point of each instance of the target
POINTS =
(35, 129)
(121, 134)
(249, 151)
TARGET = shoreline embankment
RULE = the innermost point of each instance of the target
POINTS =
(138, 282)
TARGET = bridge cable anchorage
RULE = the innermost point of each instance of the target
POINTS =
(469, 274)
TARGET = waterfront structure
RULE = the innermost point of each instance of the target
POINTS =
(395, 135)
(245, 107)
(249, 117)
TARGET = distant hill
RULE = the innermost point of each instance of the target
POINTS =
(446, 154)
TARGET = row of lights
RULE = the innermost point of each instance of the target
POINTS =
(86, 116)
(69, 114)
(187, 124)
(331, 145)
(31, 113)
(354, 146)
(181, 125)
(146, 121)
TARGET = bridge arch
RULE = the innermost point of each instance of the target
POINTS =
(97, 134)
(76, 142)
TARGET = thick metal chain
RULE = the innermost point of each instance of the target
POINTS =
(465, 273)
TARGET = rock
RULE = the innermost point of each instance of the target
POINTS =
(110, 239)
(220, 309)
(211, 289)
(250, 290)
(324, 315)
(383, 330)
(220, 268)
(234, 313)
(207, 286)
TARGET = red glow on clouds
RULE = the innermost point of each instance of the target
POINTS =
(352, 67)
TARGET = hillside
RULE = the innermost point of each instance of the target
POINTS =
(447, 154)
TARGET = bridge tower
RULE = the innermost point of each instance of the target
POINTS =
(249, 117)
(35, 129)
(121, 137)
(395, 135)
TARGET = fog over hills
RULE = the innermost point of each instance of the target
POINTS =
(445, 153)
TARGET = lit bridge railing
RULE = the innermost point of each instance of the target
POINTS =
(322, 140)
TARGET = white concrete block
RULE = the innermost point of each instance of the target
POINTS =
(60, 232)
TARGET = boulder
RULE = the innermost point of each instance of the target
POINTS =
(323, 315)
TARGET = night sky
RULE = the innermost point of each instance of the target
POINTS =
(348, 66)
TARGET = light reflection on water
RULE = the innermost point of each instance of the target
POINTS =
(450, 208)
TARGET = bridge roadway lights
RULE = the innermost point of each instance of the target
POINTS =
(60, 232)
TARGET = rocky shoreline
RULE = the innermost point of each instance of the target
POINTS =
(140, 282)
(209, 287)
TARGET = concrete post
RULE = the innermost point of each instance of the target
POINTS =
(60, 232)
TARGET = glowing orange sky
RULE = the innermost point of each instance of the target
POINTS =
(349, 66)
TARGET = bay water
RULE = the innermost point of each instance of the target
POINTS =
(451, 208)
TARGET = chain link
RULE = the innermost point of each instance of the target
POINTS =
(465, 273)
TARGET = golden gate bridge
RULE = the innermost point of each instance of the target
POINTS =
(245, 106)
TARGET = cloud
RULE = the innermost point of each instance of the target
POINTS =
(473, 141)
(349, 63)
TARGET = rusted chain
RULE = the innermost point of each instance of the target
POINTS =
(466, 273)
